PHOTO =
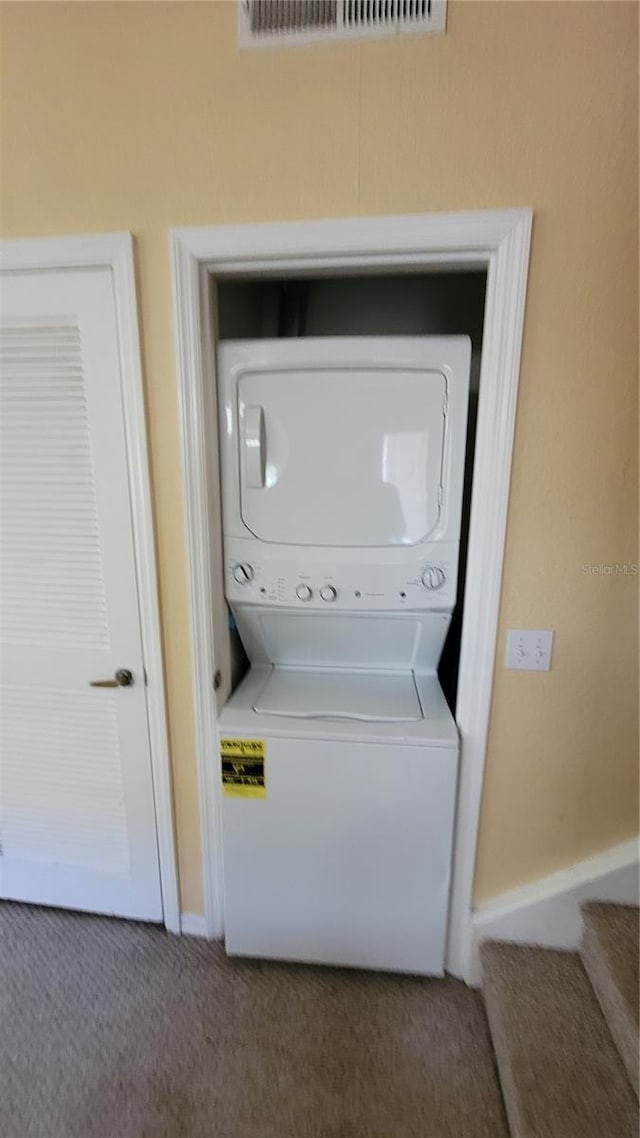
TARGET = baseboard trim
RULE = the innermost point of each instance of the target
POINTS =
(193, 924)
(547, 912)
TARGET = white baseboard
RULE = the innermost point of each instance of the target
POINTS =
(193, 924)
(547, 912)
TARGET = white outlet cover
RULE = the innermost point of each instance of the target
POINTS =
(529, 649)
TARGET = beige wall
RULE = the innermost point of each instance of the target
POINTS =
(143, 116)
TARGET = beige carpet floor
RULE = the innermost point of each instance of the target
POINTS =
(110, 1029)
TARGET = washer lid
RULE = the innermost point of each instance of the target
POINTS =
(374, 697)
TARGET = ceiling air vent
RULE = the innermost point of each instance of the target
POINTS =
(274, 23)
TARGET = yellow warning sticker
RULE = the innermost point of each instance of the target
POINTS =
(242, 767)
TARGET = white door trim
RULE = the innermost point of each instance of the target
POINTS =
(496, 240)
(114, 251)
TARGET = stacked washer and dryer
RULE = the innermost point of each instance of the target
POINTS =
(342, 463)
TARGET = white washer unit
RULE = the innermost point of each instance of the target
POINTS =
(342, 471)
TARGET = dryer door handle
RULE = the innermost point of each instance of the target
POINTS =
(255, 448)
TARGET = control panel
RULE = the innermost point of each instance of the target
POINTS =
(429, 584)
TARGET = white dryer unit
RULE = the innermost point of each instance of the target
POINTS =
(342, 473)
(342, 470)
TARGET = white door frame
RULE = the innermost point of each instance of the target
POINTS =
(114, 251)
(497, 241)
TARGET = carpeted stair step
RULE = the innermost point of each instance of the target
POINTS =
(561, 1074)
(610, 948)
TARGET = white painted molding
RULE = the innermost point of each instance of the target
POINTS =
(146, 568)
(90, 250)
(193, 924)
(547, 912)
(361, 241)
(191, 386)
(499, 376)
(114, 251)
(497, 241)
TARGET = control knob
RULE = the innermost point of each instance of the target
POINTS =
(433, 577)
(243, 573)
(328, 593)
(304, 593)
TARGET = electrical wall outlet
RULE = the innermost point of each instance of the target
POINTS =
(529, 649)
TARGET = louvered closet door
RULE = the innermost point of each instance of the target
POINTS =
(77, 821)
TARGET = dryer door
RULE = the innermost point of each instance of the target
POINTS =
(341, 456)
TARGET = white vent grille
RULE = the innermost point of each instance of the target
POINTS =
(290, 15)
(50, 559)
(274, 23)
(391, 14)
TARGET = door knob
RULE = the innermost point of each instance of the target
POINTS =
(123, 678)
